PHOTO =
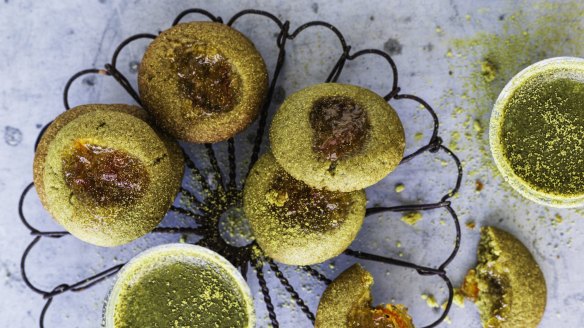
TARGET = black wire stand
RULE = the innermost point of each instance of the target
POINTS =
(206, 212)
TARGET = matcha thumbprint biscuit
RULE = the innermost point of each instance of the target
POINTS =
(346, 303)
(294, 223)
(338, 137)
(507, 284)
(202, 81)
(105, 174)
(180, 285)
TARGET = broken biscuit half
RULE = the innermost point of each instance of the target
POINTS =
(507, 284)
(346, 303)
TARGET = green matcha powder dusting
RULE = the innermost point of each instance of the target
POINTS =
(181, 294)
(543, 132)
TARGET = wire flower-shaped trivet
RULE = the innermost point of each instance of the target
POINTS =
(207, 205)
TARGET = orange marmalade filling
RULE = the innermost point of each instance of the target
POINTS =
(340, 127)
(207, 79)
(388, 316)
(103, 175)
(470, 286)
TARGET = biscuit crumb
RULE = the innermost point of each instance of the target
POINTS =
(411, 218)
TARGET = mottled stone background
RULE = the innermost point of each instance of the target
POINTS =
(443, 50)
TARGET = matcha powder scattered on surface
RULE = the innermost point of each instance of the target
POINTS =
(399, 187)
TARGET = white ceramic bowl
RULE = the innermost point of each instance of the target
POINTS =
(497, 117)
(186, 251)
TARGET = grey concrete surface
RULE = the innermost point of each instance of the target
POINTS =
(436, 46)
